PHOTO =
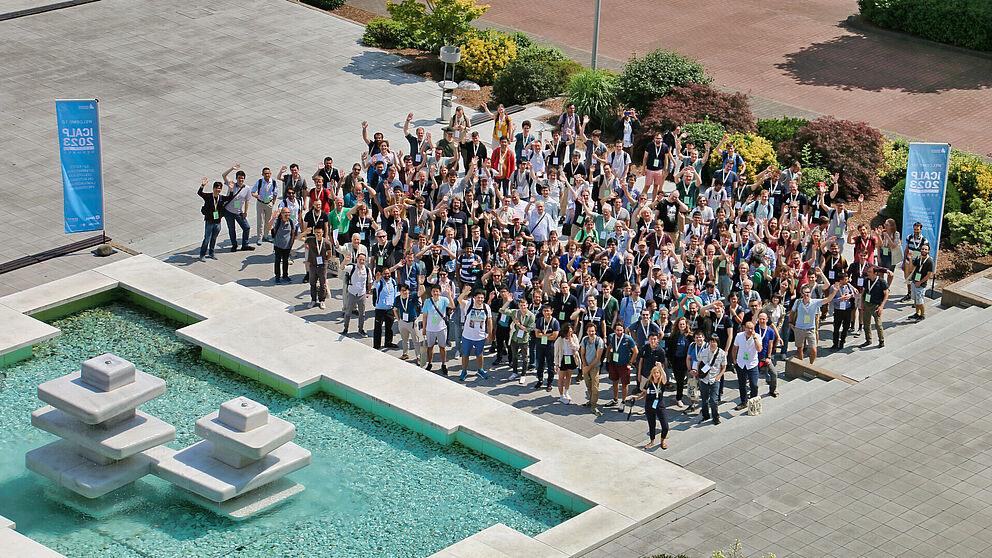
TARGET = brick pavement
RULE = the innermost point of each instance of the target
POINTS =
(793, 56)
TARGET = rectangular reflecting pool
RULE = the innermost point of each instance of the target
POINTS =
(373, 488)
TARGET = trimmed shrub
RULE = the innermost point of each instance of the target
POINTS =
(812, 176)
(756, 151)
(779, 130)
(522, 40)
(893, 206)
(387, 33)
(697, 102)
(524, 82)
(965, 23)
(594, 93)
(645, 79)
(854, 149)
(325, 4)
(485, 56)
(701, 132)
(974, 227)
(541, 53)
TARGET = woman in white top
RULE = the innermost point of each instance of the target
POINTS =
(890, 247)
(566, 359)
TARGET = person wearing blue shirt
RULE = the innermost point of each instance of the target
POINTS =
(384, 288)
(769, 339)
(630, 306)
(406, 310)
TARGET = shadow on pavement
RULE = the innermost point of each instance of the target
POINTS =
(870, 63)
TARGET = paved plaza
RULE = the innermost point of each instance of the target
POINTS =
(896, 465)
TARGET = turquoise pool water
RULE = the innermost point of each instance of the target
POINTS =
(373, 489)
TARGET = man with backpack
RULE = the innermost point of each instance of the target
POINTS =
(265, 193)
(357, 285)
(236, 208)
(477, 329)
(385, 296)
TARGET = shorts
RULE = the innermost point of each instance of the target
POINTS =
(653, 177)
(437, 338)
(619, 373)
(804, 336)
(570, 366)
(473, 348)
(918, 294)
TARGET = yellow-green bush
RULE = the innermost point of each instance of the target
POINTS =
(757, 152)
(971, 175)
(485, 55)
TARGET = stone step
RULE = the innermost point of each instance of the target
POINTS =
(121, 440)
(697, 440)
(895, 338)
(60, 462)
(963, 321)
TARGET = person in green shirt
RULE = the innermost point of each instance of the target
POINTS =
(688, 187)
(611, 306)
(337, 222)
(523, 324)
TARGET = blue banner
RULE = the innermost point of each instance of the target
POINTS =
(82, 173)
(926, 182)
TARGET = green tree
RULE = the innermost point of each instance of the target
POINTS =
(436, 23)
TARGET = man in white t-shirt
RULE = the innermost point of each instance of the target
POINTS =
(436, 310)
(477, 329)
(746, 347)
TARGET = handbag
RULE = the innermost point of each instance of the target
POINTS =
(754, 406)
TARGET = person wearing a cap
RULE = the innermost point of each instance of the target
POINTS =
(448, 146)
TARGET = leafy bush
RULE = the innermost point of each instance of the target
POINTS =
(854, 149)
(974, 227)
(436, 23)
(540, 53)
(756, 151)
(522, 40)
(701, 132)
(483, 57)
(971, 175)
(325, 4)
(645, 79)
(697, 102)
(386, 33)
(594, 93)
(779, 130)
(893, 206)
(965, 23)
(524, 82)
(896, 155)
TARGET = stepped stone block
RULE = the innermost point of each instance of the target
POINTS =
(239, 466)
(107, 372)
(103, 435)
(92, 406)
(243, 414)
(123, 439)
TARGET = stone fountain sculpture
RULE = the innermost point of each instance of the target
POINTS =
(238, 468)
(105, 440)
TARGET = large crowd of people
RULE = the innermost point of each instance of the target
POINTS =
(547, 258)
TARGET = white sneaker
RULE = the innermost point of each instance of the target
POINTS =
(259, 243)
(523, 380)
(313, 303)
(561, 398)
(513, 376)
(323, 306)
(566, 399)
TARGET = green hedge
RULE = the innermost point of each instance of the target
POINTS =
(388, 33)
(325, 4)
(964, 23)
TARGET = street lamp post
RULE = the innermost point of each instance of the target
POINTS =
(595, 36)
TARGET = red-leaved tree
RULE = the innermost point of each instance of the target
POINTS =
(694, 103)
(853, 149)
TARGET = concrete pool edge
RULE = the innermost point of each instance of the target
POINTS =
(224, 318)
